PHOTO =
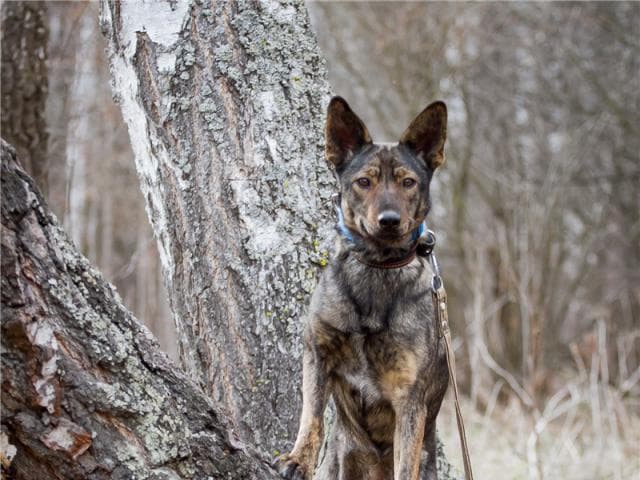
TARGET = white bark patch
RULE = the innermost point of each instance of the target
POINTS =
(281, 13)
(265, 237)
(46, 394)
(46, 385)
(41, 335)
(272, 143)
(7, 451)
(166, 63)
(68, 437)
(126, 83)
(269, 107)
(161, 21)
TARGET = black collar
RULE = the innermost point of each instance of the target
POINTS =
(392, 262)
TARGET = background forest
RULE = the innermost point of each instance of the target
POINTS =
(537, 210)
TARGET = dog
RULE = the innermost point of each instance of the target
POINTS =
(371, 342)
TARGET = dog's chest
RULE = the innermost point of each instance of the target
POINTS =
(379, 367)
(372, 330)
(358, 371)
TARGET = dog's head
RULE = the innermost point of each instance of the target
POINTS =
(385, 188)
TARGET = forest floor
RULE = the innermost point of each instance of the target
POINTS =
(591, 437)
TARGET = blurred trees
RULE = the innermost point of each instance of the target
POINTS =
(24, 83)
(537, 210)
(74, 142)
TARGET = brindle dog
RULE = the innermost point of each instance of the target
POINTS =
(371, 341)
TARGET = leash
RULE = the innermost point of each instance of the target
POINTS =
(439, 296)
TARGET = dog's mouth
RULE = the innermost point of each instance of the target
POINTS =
(383, 235)
(390, 233)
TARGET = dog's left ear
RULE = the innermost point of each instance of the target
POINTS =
(427, 133)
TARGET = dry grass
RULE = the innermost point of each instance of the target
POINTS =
(586, 431)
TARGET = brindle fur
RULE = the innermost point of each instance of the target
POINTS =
(370, 341)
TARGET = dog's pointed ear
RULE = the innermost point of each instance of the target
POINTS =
(344, 133)
(427, 133)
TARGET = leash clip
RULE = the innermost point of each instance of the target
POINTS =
(436, 281)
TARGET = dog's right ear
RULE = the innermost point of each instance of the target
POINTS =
(344, 133)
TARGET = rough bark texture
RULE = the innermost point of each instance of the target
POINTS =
(86, 392)
(24, 84)
(225, 106)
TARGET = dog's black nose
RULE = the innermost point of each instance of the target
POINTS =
(389, 218)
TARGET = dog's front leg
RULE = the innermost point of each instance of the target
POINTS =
(407, 440)
(301, 462)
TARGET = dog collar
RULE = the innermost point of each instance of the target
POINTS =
(354, 239)
(422, 248)
(342, 228)
(390, 264)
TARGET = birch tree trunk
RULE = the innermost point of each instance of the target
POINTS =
(225, 107)
(86, 392)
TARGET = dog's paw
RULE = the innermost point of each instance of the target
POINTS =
(289, 468)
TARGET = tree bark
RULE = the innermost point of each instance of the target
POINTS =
(86, 392)
(225, 107)
(24, 84)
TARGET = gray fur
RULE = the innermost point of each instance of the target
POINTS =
(371, 340)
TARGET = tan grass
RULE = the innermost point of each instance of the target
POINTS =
(586, 431)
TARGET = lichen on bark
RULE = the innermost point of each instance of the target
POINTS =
(225, 106)
(86, 391)
(225, 110)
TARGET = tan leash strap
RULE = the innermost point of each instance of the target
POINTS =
(440, 303)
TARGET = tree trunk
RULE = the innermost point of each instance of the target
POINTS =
(86, 392)
(225, 104)
(225, 107)
(24, 84)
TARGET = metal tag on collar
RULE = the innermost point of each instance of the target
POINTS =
(430, 239)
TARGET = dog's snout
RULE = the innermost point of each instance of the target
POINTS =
(389, 218)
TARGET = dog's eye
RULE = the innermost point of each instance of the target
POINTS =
(364, 182)
(408, 182)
